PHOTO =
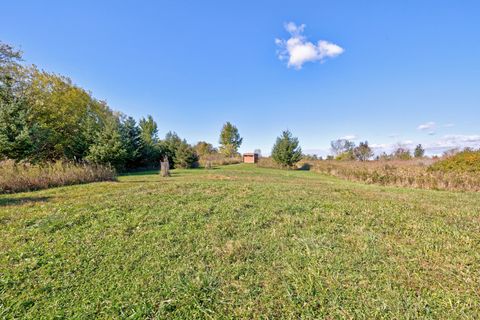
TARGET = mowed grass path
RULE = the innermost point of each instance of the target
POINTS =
(239, 242)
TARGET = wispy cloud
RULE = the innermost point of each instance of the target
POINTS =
(349, 137)
(428, 126)
(297, 50)
(447, 142)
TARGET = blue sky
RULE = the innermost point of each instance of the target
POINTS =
(385, 71)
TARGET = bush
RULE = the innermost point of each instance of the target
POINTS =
(465, 161)
(18, 177)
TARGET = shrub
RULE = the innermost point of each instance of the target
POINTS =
(465, 161)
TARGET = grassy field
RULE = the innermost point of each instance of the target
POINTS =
(239, 242)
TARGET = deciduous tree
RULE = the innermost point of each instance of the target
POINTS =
(230, 140)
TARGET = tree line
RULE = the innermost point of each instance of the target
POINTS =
(344, 149)
(45, 117)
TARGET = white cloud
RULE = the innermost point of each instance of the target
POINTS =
(349, 137)
(449, 125)
(426, 126)
(461, 138)
(298, 50)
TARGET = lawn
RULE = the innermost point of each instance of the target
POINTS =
(239, 242)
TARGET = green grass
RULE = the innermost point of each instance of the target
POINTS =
(239, 242)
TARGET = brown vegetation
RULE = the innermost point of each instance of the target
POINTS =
(217, 159)
(411, 173)
(17, 177)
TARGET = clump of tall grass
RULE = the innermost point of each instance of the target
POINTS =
(18, 177)
(402, 173)
(217, 159)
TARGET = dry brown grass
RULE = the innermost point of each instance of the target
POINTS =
(217, 159)
(17, 177)
(402, 173)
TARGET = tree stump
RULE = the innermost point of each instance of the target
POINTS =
(165, 167)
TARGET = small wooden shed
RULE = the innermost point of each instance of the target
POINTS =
(250, 157)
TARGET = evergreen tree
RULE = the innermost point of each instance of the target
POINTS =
(133, 142)
(170, 145)
(419, 151)
(185, 156)
(150, 151)
(109, 147)
(16, 136)
(286, 150)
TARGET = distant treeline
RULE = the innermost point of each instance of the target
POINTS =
(45, 117)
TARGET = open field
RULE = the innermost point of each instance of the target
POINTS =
(239, 241)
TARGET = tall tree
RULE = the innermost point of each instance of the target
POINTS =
(132, 140)
(341, 146)
(401, 153)
(363, 152)
(109, 147)
(286, 150)
(230, 140)
(170, 145)
(203, 148)
(185, 156)
(149, 130)
(419, 151)
(150, 151)
(9, 55)
(16, 135)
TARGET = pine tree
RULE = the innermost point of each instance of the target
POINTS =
(16, 136)
(109, 147)
(133, 142)
(286, 150)
(419, 151)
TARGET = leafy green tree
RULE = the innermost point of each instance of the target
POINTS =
(62, 112)
(230, 140)
(402, 153)
(110, 146)
(345, 156)
(9, 55)
(203, 148)
(286, 150)
(363, 152)
(341, 146)
(419, 151)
